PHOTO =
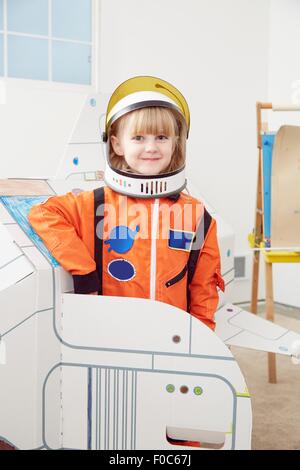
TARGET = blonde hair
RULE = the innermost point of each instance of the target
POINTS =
(152, 120)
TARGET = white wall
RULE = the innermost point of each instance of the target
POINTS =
(35, 126)
(284, 87)
(214, 51)
(284, 65)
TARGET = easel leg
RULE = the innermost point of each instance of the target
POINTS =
(270, 317)
(258, 228)
(255, 278)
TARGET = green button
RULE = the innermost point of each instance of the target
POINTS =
(198, 391)
(170, 388)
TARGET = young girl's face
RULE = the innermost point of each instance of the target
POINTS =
(147, 154)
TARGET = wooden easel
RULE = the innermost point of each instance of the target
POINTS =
(256, 239)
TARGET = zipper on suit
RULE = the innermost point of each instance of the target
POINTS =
(177, 278)
(154, 226)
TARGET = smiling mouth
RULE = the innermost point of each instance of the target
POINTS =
(151, 159)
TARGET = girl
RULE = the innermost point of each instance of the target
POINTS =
(140, 235)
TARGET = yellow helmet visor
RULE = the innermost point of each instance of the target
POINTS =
(144, 91)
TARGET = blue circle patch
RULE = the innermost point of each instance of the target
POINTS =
(121, 269)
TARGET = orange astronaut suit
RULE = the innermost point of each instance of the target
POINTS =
(163, 249)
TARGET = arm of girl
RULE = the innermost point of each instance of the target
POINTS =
(58, 222)
(207, 278)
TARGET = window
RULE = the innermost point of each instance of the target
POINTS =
(47, 40)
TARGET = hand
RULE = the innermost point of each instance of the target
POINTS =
(93, 293)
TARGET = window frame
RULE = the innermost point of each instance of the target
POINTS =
(49, 83)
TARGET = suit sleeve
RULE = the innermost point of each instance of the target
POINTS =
(207, 278)
(58, 222)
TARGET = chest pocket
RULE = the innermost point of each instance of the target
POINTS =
(180, 240)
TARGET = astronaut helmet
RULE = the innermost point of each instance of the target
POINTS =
(149, 106)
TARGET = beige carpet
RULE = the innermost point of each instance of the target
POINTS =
(275, 407)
